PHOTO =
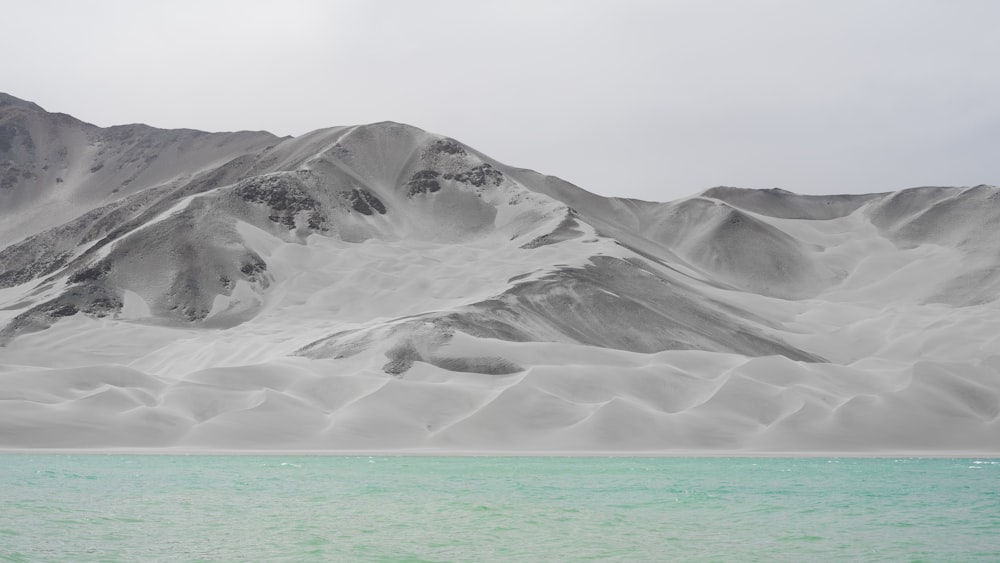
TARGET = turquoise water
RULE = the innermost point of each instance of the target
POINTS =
(285, 508)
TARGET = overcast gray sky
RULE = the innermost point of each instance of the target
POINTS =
(649, 99)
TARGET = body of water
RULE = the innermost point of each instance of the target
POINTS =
(341, 508)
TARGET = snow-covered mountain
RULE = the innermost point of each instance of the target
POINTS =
(382, 287)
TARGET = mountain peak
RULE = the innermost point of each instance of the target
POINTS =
(8, 100)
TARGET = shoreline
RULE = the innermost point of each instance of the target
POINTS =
(939, 454)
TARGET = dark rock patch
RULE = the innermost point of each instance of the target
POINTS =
(288, 221)
(190, 313)
(317, 222)
(93, 273)
(478, 176)
(252, 267)
(93, 300)
(488, 365)
(32, 270)
(281, 194)
(103, 306)
(422, 182)
(447, 146)
(401, 359)
(403, 356)
(63, 310)
(364, 202)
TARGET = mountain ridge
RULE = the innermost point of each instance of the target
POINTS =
(390, 277)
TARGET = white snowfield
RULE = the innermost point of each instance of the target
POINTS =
(382, 288)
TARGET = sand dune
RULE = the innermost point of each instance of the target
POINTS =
(380, 287)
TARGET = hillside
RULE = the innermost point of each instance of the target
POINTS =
(380, 287)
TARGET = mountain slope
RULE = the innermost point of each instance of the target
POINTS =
(379, 286)
(53, 166)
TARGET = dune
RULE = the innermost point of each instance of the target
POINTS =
(383, 288)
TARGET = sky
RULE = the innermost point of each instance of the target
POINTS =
(655, 100)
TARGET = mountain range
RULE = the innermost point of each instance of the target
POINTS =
(383, 288)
